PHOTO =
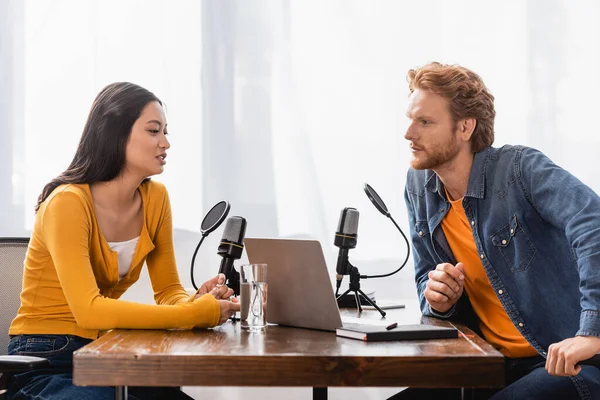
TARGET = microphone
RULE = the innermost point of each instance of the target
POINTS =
(231, 249)
(345, 238)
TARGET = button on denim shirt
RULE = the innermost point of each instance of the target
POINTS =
(537, 231)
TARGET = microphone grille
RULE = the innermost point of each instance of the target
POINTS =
(235, 229)
(348, 224)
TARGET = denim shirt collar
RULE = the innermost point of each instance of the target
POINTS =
(433, 183)
(476, 186)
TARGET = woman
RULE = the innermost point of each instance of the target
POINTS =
(96, 225)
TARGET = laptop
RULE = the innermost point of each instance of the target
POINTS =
(300, 292)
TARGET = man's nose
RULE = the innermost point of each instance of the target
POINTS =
(410, 133)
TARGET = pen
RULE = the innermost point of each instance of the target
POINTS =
(391, 326)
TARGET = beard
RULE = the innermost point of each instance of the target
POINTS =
(437, 155)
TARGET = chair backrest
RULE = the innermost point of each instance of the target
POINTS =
(12, 256)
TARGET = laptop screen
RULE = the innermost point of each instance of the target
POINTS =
(300, 292)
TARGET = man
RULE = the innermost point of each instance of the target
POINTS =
(505, 233)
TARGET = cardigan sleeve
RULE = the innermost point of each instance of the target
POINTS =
(66, 232)
(161, 263)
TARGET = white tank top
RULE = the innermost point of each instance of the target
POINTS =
(126, 251)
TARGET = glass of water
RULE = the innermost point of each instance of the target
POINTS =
(253, 297)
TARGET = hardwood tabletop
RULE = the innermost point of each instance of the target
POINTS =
(285, 356)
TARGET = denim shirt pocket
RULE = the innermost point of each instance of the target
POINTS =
(514, 245)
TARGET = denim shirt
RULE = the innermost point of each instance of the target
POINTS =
(537, 230)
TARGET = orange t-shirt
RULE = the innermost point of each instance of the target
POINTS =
(496, 326)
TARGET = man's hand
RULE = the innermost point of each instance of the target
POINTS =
(563, 356)
(228, 308)
(216, 287)
(445, 286)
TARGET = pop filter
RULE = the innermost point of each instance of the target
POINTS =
(376, 200)
(380, 205)
(211, 221)
(214, 217)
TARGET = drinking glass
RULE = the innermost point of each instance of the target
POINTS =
(253, 297)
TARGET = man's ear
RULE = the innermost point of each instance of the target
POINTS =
(466, 127)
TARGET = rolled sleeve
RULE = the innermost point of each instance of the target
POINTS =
(589, 323)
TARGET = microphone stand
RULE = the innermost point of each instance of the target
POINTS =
(233, 281)
(355, 287)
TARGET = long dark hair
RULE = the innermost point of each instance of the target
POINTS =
(100, 155)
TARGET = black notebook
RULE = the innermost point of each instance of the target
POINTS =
(371, 333)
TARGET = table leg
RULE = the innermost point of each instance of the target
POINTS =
(319, 393)
(121, 393)
(466, 393)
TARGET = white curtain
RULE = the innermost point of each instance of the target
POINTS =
(286, 108)
(319, 94)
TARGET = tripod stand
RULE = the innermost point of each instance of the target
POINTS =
(355, 287)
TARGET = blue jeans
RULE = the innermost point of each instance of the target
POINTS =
(525, 378)
(56, 382)
(528, 379)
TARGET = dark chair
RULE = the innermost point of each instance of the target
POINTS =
(12, 255)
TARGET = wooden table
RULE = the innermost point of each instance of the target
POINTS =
(285, 356)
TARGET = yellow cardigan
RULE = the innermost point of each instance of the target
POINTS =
(71, 276)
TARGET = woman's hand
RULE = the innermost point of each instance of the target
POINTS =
(228, 308)
(216, 287)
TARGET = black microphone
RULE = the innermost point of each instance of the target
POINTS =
(231, 248)
(345, 238)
